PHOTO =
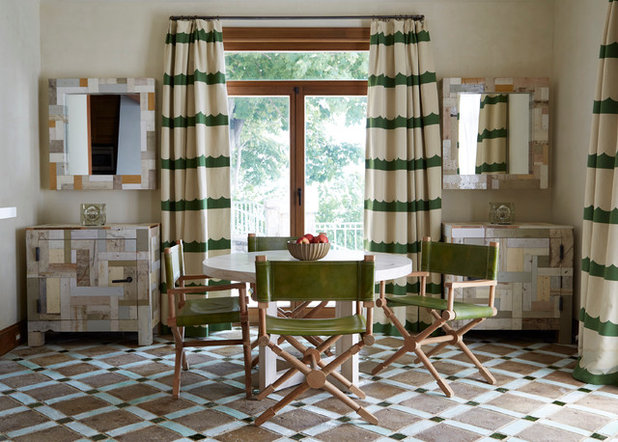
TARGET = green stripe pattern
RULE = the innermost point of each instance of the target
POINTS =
(195, 158)
(492, 141)
(602, 161)
(598, 215)
(194, 163)
(191, 79)
(201, 247)
(609, 51)
(192, 35)
(400, 79)
(607, 106)
(400, 164)
(403, 156)
(402, 122)
(598, 338)
(184, 121)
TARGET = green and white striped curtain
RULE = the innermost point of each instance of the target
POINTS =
(195, 151)
(598, 330)
(403, 184)
(491, 143)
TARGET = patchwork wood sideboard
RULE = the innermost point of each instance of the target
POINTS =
(103, 278)
(535, 277)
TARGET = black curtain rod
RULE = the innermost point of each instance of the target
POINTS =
(295, 17)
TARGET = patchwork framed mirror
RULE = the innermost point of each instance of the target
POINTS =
(102, 133)
(495, 133)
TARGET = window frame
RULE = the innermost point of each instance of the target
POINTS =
(299, 40)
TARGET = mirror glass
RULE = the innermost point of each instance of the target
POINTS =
(102, 133)
(495, 133)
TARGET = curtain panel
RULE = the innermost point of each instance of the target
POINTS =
(598, 330)
(403, 187)
(195, 151)
(491, 142)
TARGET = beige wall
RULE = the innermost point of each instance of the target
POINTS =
(471, 38)
(19, 147)
(577, 38)
(554, 38)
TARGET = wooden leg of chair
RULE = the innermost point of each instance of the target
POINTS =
(247, 357)
(398, 325)
(311, 339)
(282, 403)
(434, 350)
(349, 385)
(484, 372)
(362, 412)
(255, 361)
(179, 351)
(296, 366)
(392, 358)
(448, 391)
(278, 382)
(185, 363)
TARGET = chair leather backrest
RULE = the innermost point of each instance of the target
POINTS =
(174, 264)
(473, 261)
(263, 243)
(319, 281)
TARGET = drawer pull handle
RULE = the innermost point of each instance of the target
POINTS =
(37, 253)
(115, 281)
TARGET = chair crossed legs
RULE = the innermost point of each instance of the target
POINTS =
(320, 281)
(477, 262)
(185, 312)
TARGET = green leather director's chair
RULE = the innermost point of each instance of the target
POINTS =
(479, 267)
(264, 243)
(317, 281)
(186, 312)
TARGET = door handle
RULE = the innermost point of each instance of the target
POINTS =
(299, 193)
(115, 281)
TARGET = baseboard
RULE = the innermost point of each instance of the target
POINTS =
(12, 336)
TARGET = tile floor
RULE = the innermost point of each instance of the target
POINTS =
(104, 387)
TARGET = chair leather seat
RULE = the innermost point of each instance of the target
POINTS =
(209, 311)
(316, 327)
(462, 310)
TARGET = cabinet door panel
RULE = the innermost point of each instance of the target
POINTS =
(88, 279)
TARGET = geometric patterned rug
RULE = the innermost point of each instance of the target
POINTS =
(105, 387)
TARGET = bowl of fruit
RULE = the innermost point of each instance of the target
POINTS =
(309, 247)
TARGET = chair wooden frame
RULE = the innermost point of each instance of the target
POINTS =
(311, 364)
(414, 342)
(177, 301)
(261, 244)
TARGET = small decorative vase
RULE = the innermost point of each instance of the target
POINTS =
(92, 214)
(501, 213)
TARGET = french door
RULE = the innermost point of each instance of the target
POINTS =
(297, 159)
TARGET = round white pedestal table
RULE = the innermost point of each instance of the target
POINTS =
(241, 267)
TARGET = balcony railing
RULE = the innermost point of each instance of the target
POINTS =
(250, 217)
(343, 235)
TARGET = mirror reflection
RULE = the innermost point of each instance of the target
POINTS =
(494, 133)
(103, 134)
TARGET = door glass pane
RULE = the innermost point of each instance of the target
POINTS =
(335, 169)
(260, 167)
(340, 65)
